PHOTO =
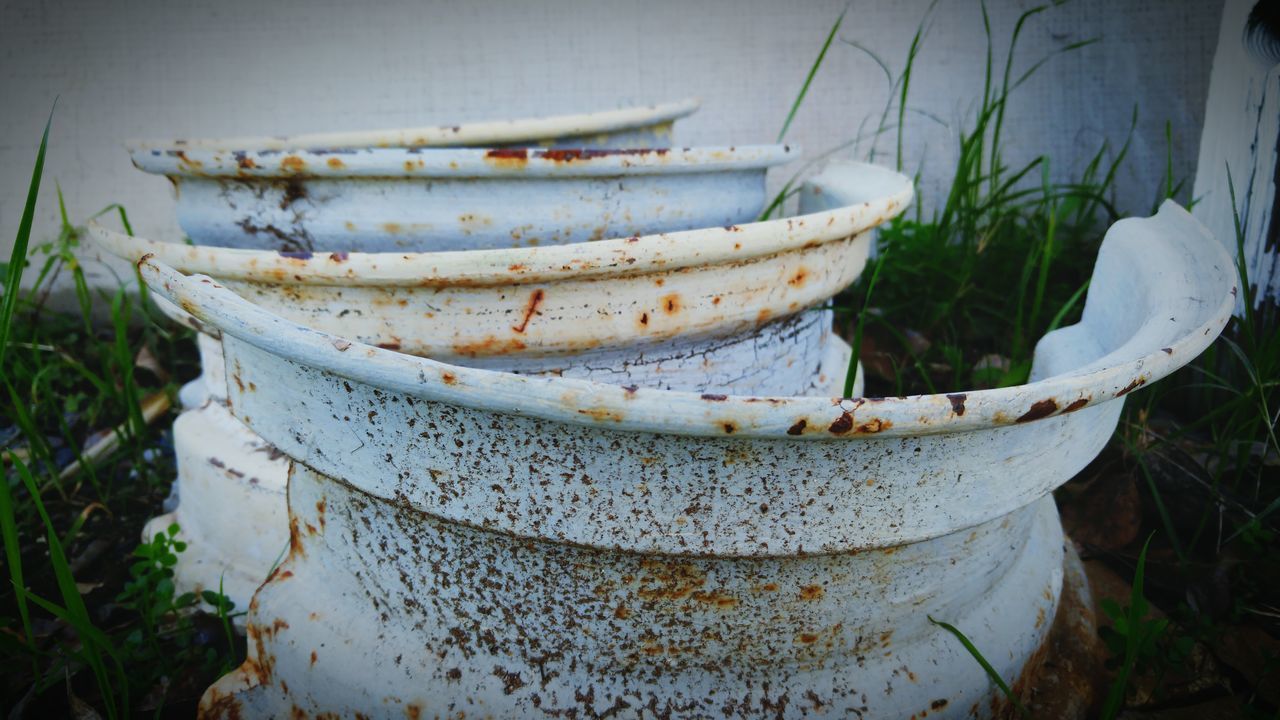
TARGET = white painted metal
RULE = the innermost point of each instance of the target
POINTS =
(489, 544)
(561, 300)
(230, 512)
(635, 127)
(397, 199)
(1240, 139)
(716, 310)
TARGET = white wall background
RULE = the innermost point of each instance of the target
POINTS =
(177, 68)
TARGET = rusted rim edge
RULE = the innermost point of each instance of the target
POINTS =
(687, 413)
(458, 163)
(495, 132)
(619, 257)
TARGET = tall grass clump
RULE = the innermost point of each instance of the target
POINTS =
(1004, 258)
(84, 631)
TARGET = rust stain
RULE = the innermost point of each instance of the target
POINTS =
(1076, 405)
(534, 301)
(1137, 383)
(507, 157)
(811, 592)
(669, 580)
(490, 345)
(601, 414)
(295, 537)
(335, 163)
(449, 378)
(874, 426)
(1039, 409)
(799, 278)
(572, 154)
(957, 403)
(717, 598)
(798, 428)
(842, 424)
(511, 681)
(671, 303)
(393, 228)
(293, 163)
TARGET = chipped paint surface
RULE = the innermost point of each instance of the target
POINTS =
(1164, 266)
(716, 310)
(232, 508)
(532, 544)
(648, 126)
(230, 513)
(541, 302)
(397, 199)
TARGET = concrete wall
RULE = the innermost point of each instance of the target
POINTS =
(164, 68)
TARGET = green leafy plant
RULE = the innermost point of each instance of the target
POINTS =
(1133, 637)
(166, 617)
(82, 469)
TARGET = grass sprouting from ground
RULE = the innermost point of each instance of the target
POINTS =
(90, 622)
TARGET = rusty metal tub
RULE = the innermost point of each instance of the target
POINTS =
(478, 543)
(394, 199)
(717, 310)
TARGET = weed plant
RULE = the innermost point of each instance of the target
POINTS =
(83, 631)
(956, 301)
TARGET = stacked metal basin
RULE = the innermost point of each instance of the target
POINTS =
(469, 542)
(725, 308)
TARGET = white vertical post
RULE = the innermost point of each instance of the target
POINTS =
(1241, 131)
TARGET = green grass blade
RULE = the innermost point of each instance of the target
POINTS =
(851, 375)
(817, 63)
(1066, 307)
(124, 216)
(1137, 611)
(986, 666)
(18, 258)
(94, 643)
(13, 558)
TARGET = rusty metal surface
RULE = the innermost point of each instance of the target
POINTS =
(499, 521)
(231, 513)
(457, 622)
(714, 311)
(1064, 686)
(538, 302)
(648, 126)
(393, 199)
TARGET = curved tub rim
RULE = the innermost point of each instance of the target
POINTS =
(496, 132)
(617, 257)
(611, 407)
(450, 163)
